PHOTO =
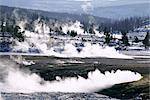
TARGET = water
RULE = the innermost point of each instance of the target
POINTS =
(24, 81)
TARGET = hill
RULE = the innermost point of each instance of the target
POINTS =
(123, 11)
(84, 18)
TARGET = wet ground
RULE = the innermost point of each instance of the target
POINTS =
(50, 67)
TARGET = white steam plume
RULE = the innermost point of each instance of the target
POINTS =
(25, 82)
(87, 7)
(1, 97)
(89, 50)
(42, 42)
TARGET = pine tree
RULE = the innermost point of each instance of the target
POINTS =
(68, 32)
(107, 36)
(136, 40)
(146, 41)
(17, 34)
(125, 39)
(73, 33)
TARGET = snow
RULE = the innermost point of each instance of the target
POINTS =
(41, 40)
(41, 43)
(139, 35)
(99, 34)
(117, 36)
(90, 50)
(137, 54)
(41, 27)
(94, 50)
(135, 48)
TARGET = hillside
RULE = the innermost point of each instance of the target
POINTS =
(123, 11)
(5, 10)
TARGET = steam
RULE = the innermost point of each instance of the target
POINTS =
(34, 40)
(22, 24)
(90, 50)
(73, 27)
(16, 80)
(87, 6)
(20, 60)
(1, 97)
(69, 50)
(41, 27)
(15, 14)
(41, 42)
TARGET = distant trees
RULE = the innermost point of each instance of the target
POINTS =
(146, 41)
(125, 40)
(9, 24)
(126, 24)
(14, 30)
(108, 36)
(72, 33)
(88, 28)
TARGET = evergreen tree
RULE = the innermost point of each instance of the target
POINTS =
(2, 25)
(91, 30)
(125, 40)
(107, 36)
(136, 40)
(146, 41)
(50, 29)
(17, 34)
(68, 32)
(73, 33)
(60, 28)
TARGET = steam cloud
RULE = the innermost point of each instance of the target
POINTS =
(92, 51)
(1, 97)
(41, 41)
(16, 80)
(87, 6)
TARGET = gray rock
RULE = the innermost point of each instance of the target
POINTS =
(54, 96)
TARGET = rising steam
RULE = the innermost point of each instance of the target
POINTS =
(16, 80)
(42, 41)
(1, 97)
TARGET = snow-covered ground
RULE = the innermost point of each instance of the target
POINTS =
(92, 50)
(41, 43)
(40, 40)
(137, 54)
